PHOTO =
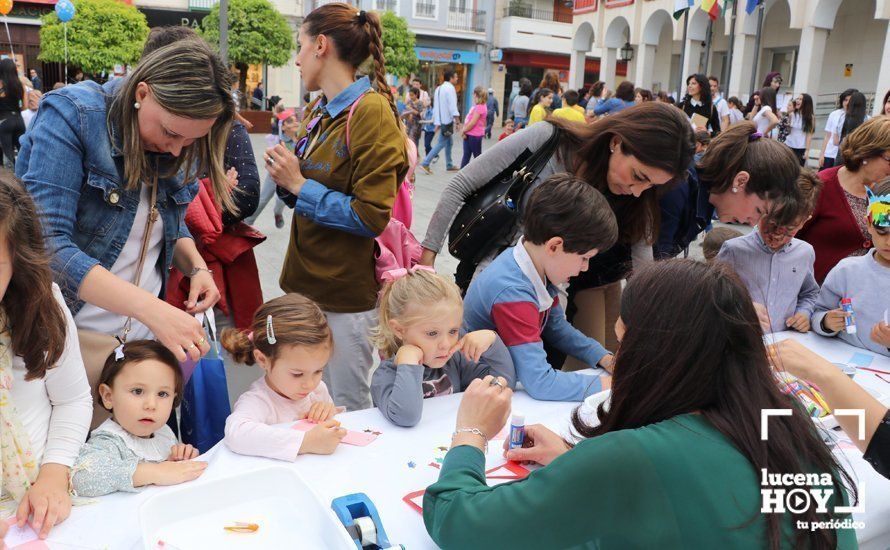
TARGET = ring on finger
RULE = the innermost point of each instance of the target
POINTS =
(201, 341)
(269, 160)
(191, 347)
(496, 382)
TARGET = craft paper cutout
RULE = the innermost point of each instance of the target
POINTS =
(509, 471)
(359, 439)
(22, 539)
(860, 359)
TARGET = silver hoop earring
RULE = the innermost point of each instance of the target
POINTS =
(137, 105)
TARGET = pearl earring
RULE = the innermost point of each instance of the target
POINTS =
(316, 56)
(611, 149)
(864, 162)
(137, 105)
(735, 189)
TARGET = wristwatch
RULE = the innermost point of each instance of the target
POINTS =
(196, 270)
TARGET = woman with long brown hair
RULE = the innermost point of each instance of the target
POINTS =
(45, 405)
(94, 159)
(676, 457)
(342, 186)
(625, 156)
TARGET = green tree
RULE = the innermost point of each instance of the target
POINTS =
(258, 34)
(103, 33)
(398, 45)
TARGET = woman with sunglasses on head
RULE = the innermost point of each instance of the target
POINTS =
(342, 186)
(838, 228)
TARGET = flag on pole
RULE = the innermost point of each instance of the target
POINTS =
(680, 6)
(712, 8)
(751, 6)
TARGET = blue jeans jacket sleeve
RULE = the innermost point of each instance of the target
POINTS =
(330, 208)
(55, 184)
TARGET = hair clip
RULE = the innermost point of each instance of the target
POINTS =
(119, 353)
(755, 136)
(270, 331)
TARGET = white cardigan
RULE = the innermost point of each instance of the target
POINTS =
(55, 410)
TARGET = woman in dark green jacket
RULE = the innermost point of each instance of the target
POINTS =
(676, 461)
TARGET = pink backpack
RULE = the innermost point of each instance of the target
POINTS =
(396, 247)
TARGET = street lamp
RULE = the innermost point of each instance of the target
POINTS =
(626, 52)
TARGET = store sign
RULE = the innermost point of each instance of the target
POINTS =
(174, 18)
(447, 56)
(496, 55)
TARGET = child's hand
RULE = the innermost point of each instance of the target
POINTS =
(232, 178)
(834, 320)
(181, 451)
(763, 317)
(799, 322)
(880, 334)
(322, 439)
(409, 355)
(321, 411)
(474, 344)
(174, 473)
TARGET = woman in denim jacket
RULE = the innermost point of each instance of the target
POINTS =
(89, 161)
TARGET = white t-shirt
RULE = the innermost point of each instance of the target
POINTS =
(722, 107)
(94, 318)
(735, 116)
(28, 116)
(55, 410)
(796, 138)
(761, 120)
(830, 126)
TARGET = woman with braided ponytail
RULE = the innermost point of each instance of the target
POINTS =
(341, 182)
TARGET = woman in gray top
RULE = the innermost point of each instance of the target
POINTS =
(628, 157)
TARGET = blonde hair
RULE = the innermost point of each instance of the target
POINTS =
(481, 95)
(296, 321)
(188, 80)
(869, 140)
(418, 288)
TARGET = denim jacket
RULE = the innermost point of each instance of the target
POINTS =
(76, 177)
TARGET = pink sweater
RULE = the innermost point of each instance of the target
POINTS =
(249, 429)
(478, 129)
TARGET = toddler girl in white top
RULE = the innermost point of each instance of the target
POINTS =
(140, 384)
(292, 342)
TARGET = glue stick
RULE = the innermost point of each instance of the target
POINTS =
(850, 320)
(517, 430)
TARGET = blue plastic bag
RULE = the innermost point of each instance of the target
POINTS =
(205, 400)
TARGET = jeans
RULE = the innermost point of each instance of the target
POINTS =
(488, 124)
(267, 191)
(472, 148)
(348, 373)
(443, 143)
(428, 142)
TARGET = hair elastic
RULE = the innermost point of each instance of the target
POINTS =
(250, 336)
(395, 274)
(270, 331)
(362, 17)
(755, 136)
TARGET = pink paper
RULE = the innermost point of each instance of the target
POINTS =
(359, 439)
(22, 539)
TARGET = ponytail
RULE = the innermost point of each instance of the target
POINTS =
(238, 344)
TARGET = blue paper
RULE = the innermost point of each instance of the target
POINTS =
(860, 359)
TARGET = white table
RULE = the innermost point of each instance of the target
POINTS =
(381, 470)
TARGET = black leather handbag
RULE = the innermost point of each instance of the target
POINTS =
(491, 214)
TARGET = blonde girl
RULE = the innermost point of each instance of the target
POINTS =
(290, 339)
(420, 333)
(342, 190)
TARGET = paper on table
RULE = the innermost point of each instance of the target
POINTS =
(22, 539)
(509, 471)
(359, 439)
(860, 359)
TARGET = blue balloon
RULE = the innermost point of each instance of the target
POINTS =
(65, 10)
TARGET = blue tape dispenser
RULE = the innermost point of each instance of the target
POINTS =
(360, 518)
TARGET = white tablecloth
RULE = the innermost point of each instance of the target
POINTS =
(382, 469)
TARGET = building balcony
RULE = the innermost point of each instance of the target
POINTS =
(535, 29)
(427, 10)
(466, 20)
(529, 11)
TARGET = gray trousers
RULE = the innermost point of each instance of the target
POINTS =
(348, 374)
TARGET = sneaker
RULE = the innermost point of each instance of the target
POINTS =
(426, 169)
(453, 169)
(279, 221)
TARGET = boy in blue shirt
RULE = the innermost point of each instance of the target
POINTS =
(566, 222)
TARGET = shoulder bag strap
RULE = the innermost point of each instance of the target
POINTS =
(535, 164)
(143, 251)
